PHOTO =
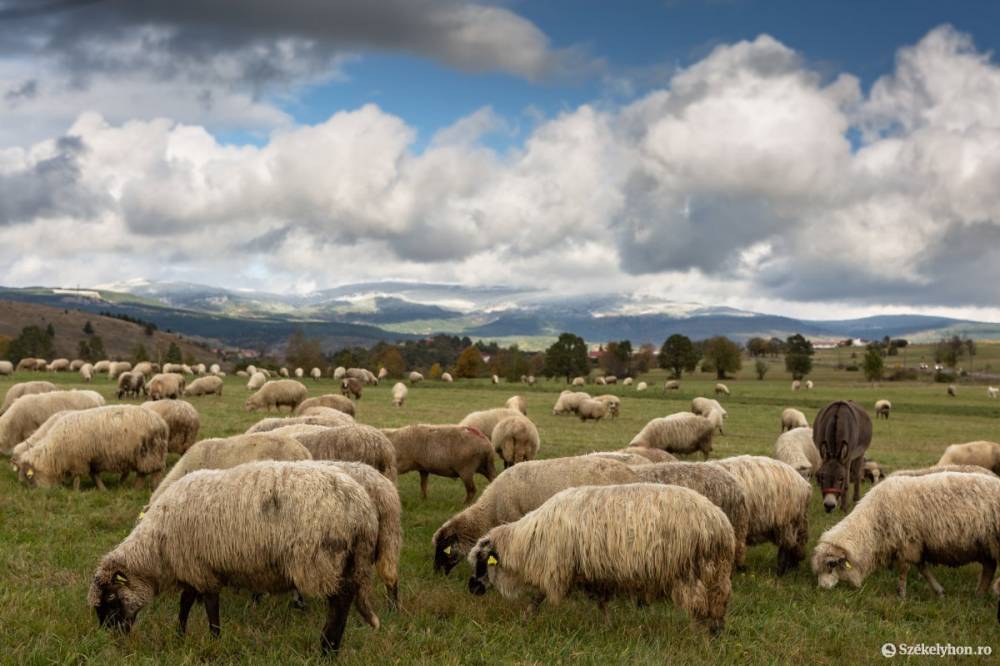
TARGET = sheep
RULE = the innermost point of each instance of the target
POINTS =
(992, 392)
(208, 385)
(416, 377)
(316, 374)
(130, 384)
(796, 448)
(29, 412)
(600, 381)
(350, 387)
(610, 379)
(37, 436)
(40, 365)
(720, 487)
(349, 443)
(331, 400)
(882, 409)
(777, 504)
(721, 389)
(515, 492)
(952, 390)
(58, 365)
(116, 438)
(86, 372)
(651, 455)
(256, 380)
(568, 402)
(74, 365)
(630, 459)
(329, 413)
(515, 439)
(102, 366)
(251, 370)
(486, 420)
(242, 373)
(278, 393)
(27, 363)
(793, 418)
(677, 433)
(641, 386)
(178, 369)
(446, 377)
(495, 379)
(530, 380)
(672, 385)
(6, 368)
(145, 368)
(579, 381)
(703, 406)
(166, 385)
(218, 527)
(382, 373)
(643, 538)
(118, 368)
(25, 388)
(982, 453)
(613, 402)
(284, 372)
(299, 373)
(188, 370)
(946, 518)
(796, 385)
(517, 402)
(627, 381)
(339, 372)
(182, 419)
(592, 410)
(399, 392)
(448, 451)
(872, 471)
(937, 469)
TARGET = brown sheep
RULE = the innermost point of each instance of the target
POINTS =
(448, 451)
(351, 387)
(331, 400)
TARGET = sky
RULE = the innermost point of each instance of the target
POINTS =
(820, 159)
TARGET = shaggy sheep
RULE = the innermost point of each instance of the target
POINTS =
(330, 418)
(882, 409)
(610, 379)
(643, 538)
(144, 367)
(627, 381)
(443, 450)
(86, 372)
(592, 410)
(945, 518)
(29, 412)
(613, 402)
(515, 439)
(641, 386)
(180, 544)
(568, 402)
(279, 393)
(251, 370)
(299, 373)
(117, 438)
(117, 368)
(284, 372)
(796, 385)
(27, 363)
(992, 392)
(256, 380)
(777, 504)
(102, 366)
(796, 448)
(952, 390)
(515, 492)
(446, 377)
(178, 368)
(842, 432)
(651, 455)
(399, 392)
(517, 402)
(937, 469)
(672, 385)
(630, 459)
(6, 368)
(316, 374)
(58, 365)
(25, 388)
(350, 443)
(214, 369)
(130, 385)
(416, 377)
(721, 389)
(579, 381)
(486, 420)
(208, 385)
(677, 433)
(351, 387)
(704, 406)
(982, 453)
(182, 419)
(331, 400)
(188, 370)
(166, 385)
(339, 372)
(793, 418)
(242, 373)
(872, 471)
(74, 365)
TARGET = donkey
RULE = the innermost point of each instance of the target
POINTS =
(842, 432)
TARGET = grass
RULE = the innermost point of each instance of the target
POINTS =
(50, 541)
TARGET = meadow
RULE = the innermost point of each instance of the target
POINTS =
(51, 540)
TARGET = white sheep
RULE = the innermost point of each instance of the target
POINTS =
(399, 392)
(793, 418)
(796, 448)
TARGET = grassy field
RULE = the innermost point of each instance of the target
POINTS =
(50, 541)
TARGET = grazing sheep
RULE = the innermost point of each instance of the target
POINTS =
(610, 379)
(25, 388)
(446, 377)
(117, 368)
(947, 518)
(515, 439)
(952, 390)
(579, 381)
(677, 433)
(793, 418)
(882, 409)
(188, 370)
(518, 403)
(27, 363)
(796, 385)
(399, 392)
(809, 385)
(178, 369)
(416, 377)
(651, 455)
(350, 443)
(568, 402)
(982, 453)
(182, 419)
(627, 381)
(704, 406)
(215, 369)
(486, 420)
(937, 469)
(86, 372)
(299, 373)
(777, 504)
(443, 450)
(992, 392)
(672, 385)
(251, 370)
(242, 373)
(279, 393)
(256, 380)
(6, 368)
(316, 374)
(166, 385)
(351, 387)
(102, 367)
(382, 373)
(641, 386)
(329, 418)
(613, 402)
(592, 410)
(530, 380)
(208, 385)
(515, 492)
(74, 365)
(339, 372)
(37, 436)
(116, 438)
(496, 380)
(29, 412)
(331, 400)
(144, 367)
(720, 487)
(264, 527)
(872, 471)
(643, 538)
(796, 448)
(721, 389)
(842, 432)
(284, 372)
(600, 381)
(130, 385)
(630, 459)
(58, 365)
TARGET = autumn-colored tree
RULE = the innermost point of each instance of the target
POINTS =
(470, 363)
(392, 361)
(435, 372)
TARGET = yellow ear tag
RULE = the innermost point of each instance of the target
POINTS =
(120, 579)
(491, 561)
(447, 551)
(847, 565)
(142, 514)
(30, 473)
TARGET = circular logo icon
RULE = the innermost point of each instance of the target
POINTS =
(889, 650)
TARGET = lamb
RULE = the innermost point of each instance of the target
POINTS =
(672, 385)
(517, 402)
(793, 418)
(25, 388)
(677, 433)
(182, 419)
(130, 385)
(278, 393)
(86, 372)
(777, 503)
(937, 469)
(515, 492)
(613, 402)
(416, 377)
(117, 438)
(643, 538)
(29, 412)
(448, 451)
(316, 374)
(351, 443)
(256, 380)
(351, 387)
(515, 439)
(721, 389)
(592, 410)
(333, 419)
(991, 391)
(228, 452)
(882, 409)
(719, 486)
(6, 368)
(331, 400)
(399, 392)
(952, 390)
(796, 448)
(945, 518)
(486, 420)
(180, 543)
(796, 385)
(58, 365)
(166, 385)
(208, 385)
(568, 402)
(982, 453)
(579, 381)
(641, 386)
(446, 377)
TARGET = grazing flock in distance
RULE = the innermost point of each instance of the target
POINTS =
(307, 503)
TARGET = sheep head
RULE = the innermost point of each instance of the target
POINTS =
(117, 596)
(832, 564)
(483, 556)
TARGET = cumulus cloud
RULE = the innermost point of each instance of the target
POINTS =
(735, 184)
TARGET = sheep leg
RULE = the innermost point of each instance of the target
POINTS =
(123, 477)
(423, 484)
(858, 476)
(188, 597)
(470, 490)
(298, 603)
(986, 577)
(393, 592)
(97, 481)
(931, 580)
(904, 569)
(211, 600)
(336, 616)
(76, 483)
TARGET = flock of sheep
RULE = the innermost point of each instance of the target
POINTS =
(307, 503)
